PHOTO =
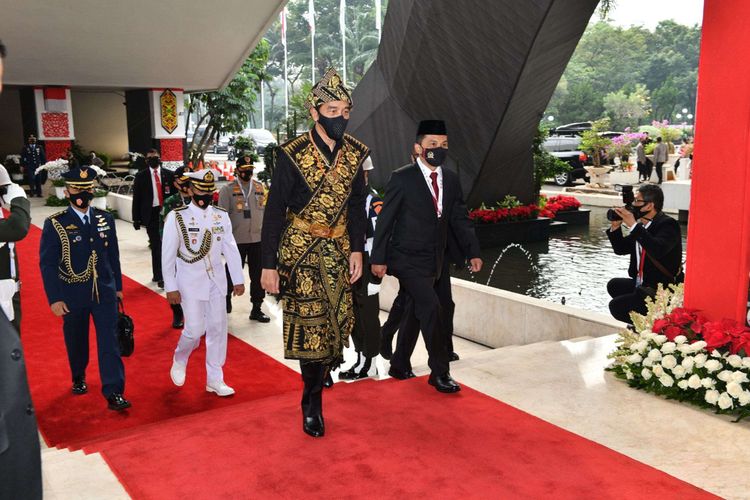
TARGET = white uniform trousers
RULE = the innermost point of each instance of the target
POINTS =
(209, 317)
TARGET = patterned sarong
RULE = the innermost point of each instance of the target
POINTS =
(313, 265)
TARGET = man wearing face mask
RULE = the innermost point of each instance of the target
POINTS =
(423, 203)
(245, 202)
(32, 157)
(80, 262)
(151, 187)
(180, 198)
(655, 248)
(313, 238)
(196, 237)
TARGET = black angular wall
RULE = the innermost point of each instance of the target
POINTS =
(486, 67)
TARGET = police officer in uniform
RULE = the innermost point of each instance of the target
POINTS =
(245, 201)
(196, 237)
(32, 157)
(80, 263)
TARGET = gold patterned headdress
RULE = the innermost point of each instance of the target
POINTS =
(205, 179)
(330, 88)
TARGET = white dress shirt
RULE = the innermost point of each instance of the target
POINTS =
(427, 172)
(154, 190)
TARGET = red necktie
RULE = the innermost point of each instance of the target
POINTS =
(158, 188)
(640, 264)
(436, 190)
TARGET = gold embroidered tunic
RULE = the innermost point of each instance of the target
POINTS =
(314, 219)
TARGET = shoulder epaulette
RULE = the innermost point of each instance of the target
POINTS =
(177, 209)
(57, 214)
(217, 207)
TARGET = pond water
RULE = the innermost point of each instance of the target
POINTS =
(573, 269)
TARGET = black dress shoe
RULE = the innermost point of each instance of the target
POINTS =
(257, 315)
(229, 304)
(117, 403)
(178, 320)
(79, 386)
(160, 284)
(349, 374)
(386, 347)
(328, 382)
(444, 383)
(453, 356)
(398, 374)
(314, 426)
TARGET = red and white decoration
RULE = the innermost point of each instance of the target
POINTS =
(170, 143)
(54, 115)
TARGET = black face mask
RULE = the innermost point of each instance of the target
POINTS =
(334, 127)
(203, 200)
(245, 176)
(153, 161)
(82, 199)
(435, 156)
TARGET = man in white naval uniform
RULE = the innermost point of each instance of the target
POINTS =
(195, 238)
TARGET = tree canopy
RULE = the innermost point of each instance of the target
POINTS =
(631, 75)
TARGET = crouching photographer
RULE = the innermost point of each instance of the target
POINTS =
(654, 245)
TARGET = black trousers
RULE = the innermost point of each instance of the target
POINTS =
(658, 170)
(625, 299)
(429, 298)
(391, 325)
(313, 374)
(35, 181)
(154, 241)
(76, 332)
(366, 332)
(250, 253)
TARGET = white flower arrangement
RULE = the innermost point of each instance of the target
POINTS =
(54, 168)
(679, 363)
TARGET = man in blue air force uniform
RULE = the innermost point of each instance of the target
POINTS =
(80, 263)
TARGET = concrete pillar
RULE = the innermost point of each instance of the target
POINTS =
(718, 248)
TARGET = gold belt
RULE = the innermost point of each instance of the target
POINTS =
(317, 230)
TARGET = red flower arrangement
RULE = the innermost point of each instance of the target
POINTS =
(724, 334)
(495, 215)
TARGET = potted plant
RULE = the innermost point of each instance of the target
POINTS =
(593, 143)
(55, 169)
(137, 161)
(13, 165)
(100, 199)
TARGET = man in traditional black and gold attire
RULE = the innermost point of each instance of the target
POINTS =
(313, 237)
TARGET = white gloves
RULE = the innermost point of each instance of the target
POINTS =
(372, 289)
(14, 191)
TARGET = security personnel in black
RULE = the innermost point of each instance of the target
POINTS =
(80, 264)
(32, 157)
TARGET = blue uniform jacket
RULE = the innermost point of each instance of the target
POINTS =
(101, 237)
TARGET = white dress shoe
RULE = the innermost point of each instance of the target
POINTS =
(220, 388)
(177, 373)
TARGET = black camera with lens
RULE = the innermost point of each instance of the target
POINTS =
(627, 200)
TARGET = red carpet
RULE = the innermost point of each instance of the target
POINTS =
(389, 439)
(67, 420)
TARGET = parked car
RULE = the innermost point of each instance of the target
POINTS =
(567, 149)
(260, 136)
(571, 128)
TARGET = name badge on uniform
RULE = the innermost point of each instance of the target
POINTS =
(194, 229)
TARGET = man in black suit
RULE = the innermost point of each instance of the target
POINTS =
(20, 459)
(151, 187)
(655, 248)
(423, 202)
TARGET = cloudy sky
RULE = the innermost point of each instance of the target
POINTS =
(649, 12)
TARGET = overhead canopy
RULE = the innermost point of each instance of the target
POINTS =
(188, 44)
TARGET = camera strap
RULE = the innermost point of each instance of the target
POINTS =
(663, 269)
